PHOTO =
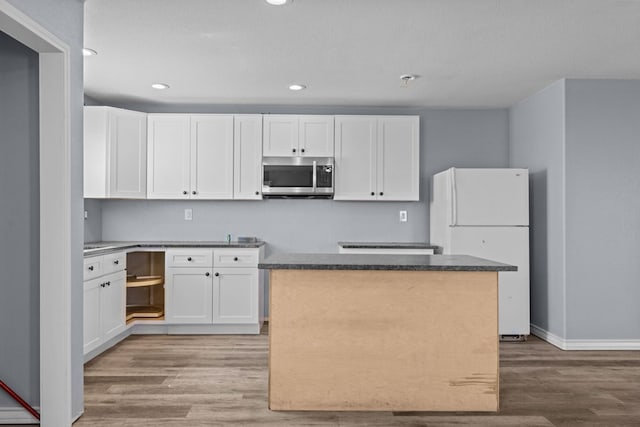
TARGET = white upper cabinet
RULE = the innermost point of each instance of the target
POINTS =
(169, 156)
(211, 157)
(398, 158)
(247, 157)
(190, 156)
(377, 158)
(115, 153)
(298, 135)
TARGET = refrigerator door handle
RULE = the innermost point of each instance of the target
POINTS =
(454, 203)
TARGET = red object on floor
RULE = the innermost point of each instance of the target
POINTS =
(20, 400)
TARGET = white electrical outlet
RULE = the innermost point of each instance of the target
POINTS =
(403, 216)
(188, 214)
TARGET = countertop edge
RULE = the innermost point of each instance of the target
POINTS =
(111, 247)
(378, 267)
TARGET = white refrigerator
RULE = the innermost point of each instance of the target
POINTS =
(485, 213)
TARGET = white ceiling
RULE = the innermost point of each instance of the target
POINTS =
(468, 53)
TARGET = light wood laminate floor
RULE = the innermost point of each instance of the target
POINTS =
(216, 380)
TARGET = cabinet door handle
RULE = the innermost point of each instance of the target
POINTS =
(189, 259)
(193, 192)
(185, 192)
(108, 283)
(257, 193)
(217, 274)
(294, 150)
(102, 285)
(373, 194)
(302, 150)
(91, 268)
(235, 258)
(207, 274)
(381, 193)
(116, 262)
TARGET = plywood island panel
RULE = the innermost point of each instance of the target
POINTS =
(383, 340)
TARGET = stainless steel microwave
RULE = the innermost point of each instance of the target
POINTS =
(310, 177)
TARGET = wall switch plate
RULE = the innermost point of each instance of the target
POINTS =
(403, 216)
(188, 214)
(86, 214)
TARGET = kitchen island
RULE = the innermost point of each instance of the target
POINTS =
(383, 332)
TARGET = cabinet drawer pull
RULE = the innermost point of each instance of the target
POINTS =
(91, 268)
(381, 193)
(193, 192)
(102, 285)
(185, 192)
(302, 150)
(373, 194)
(207, 274)
(189, 259)
(294, 150)
(116, 262)
(235, 258)
(108, 283)
(217, 274)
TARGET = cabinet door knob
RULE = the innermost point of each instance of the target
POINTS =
(294, 150)
(207, 274)
(108, 283)
(189, 259)
(302, 150)
(257, 193)
(116, 262)
(91, 268)
(185, 192)
(102, 285)
(235, 258)
(193, 192)
(217, 274)
(381, 193)
(373, 194)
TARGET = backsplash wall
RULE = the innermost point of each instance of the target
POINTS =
(461, 138)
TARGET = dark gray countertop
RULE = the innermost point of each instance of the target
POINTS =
(381, 262)
(388, 245)
(101, 248)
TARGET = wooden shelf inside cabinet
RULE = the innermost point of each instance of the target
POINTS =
(140, 281)
(144, 312)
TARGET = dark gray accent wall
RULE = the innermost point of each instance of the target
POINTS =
(460, 138)
(19, 222)
(65, 19)
(603, 209)
(537, 143)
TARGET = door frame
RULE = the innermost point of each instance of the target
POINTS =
(55, 212)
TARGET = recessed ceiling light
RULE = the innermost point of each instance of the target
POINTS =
(160, 86)
(277, 2)
(297, 87)
(88, 52)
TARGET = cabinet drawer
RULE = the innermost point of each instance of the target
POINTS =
(235, 258)
(114, 262)
(189, 258)
(93, 267)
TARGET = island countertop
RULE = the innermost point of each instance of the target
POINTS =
(295, 261)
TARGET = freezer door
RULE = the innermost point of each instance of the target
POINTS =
(493, 197)
(509, 245)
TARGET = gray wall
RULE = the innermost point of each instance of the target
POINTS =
(19, 219)
(93, 220)
(537, 143)
(448, 138)
(603, 209)
(64, 19)
(580, 139)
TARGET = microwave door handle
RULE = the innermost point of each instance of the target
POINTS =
(315, 178)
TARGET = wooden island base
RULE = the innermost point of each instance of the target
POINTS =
(383, 340)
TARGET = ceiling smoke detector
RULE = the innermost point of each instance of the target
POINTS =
(160, 86)
(297, 87)
(277, 2)
(406, 78)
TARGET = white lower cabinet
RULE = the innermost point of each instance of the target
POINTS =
(217, 287)
(235, 295)
(104, 300)
(188, 295)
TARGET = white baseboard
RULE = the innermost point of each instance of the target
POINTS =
(575, 344)
(17, 415)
